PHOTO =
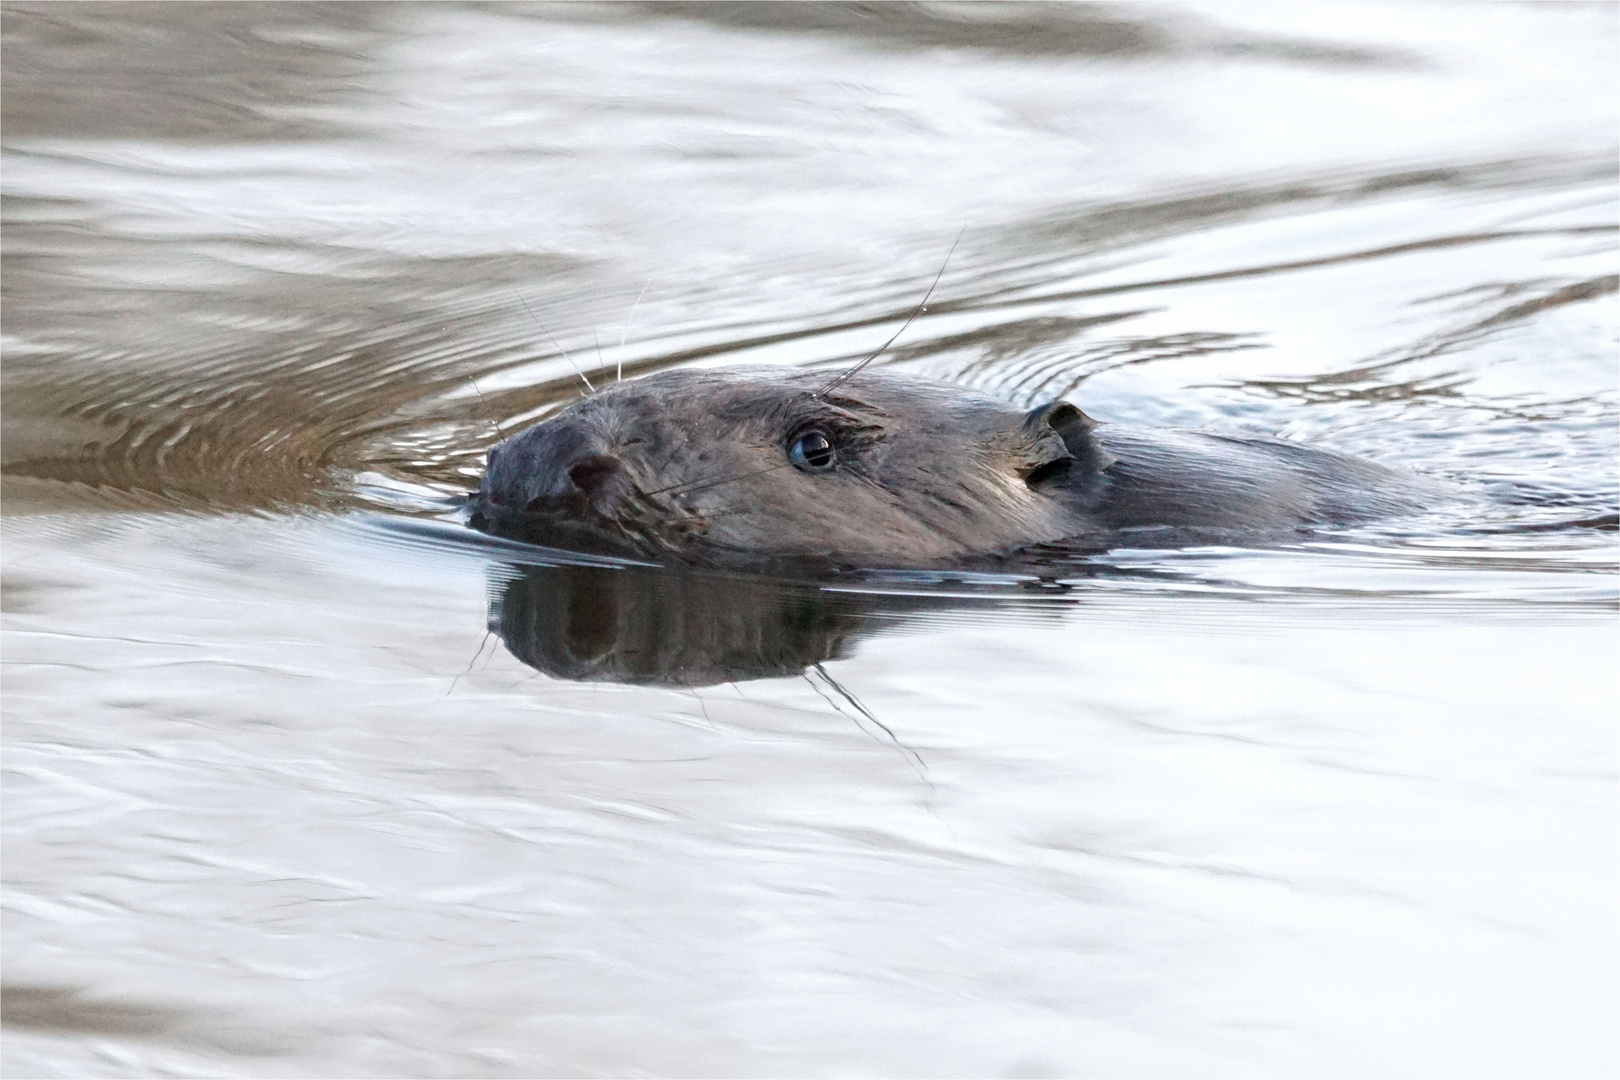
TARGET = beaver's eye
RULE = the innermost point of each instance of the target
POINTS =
(812, 452)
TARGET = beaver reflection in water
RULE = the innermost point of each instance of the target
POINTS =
(888, 470)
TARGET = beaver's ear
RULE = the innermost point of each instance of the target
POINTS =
(1074, 430)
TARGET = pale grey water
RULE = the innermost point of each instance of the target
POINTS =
(276, 802)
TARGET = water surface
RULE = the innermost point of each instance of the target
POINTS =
(303, 778)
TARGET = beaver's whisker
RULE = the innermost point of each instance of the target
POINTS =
(470, 663)
(627, 323)
(701, 485)
(918, 766)
(487, 409)
(588, 387)
(674, 450)
(922, 307)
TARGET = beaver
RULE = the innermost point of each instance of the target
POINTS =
(881, 469)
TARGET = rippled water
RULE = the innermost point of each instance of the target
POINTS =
(303, 778)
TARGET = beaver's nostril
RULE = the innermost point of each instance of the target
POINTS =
(1061, 415)
(592, 471)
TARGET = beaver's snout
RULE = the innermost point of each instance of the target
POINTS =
(566, 483)
(558, 466)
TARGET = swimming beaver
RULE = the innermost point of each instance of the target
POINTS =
(888, 470)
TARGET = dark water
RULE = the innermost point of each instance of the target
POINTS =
(304, 779)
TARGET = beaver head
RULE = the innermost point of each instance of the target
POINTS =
(710, 466)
